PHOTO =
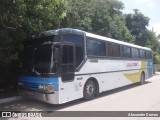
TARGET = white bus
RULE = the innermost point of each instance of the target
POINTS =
(68, 64)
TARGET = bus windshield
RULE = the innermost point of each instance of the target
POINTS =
(38, 55)
(39, 60)
(43, 59)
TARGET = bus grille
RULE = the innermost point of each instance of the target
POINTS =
(30, 85)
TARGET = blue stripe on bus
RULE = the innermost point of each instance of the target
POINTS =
(149, 63)
(149, 68)
(34, 82)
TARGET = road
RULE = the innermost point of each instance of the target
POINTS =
(130, 98)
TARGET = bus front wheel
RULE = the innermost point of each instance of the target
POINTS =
(89, 90)
(142, 78)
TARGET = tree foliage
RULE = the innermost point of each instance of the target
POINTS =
(102, 17)
(23, 18)
(137, 24)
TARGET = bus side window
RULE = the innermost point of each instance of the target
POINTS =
(91, 47)
(96, 48)
(126, 51)
(148, 55)
(135, 53)
(110, 49)
(116, 50)
(113, 50)
(142, 54)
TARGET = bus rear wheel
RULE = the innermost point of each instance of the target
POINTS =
(142, 79)
(89, 90)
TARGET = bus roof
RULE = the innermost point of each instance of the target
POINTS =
(62, 30)
(80, 32)
(115, 41)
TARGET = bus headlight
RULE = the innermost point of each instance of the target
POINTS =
(46, 87)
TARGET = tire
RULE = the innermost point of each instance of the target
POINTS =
(142, 79)
(89, 91)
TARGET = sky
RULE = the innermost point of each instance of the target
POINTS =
(150, 8)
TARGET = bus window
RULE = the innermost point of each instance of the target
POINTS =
(148, 55)
(79, 55)
(101, 48)
(142, 53)
(116, 51)
(91, 47)
(96, 48)
(110, 49)
(76, 39)
(126, 51)
(135, 53)
(113, 50)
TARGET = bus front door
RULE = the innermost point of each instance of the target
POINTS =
(67, 69)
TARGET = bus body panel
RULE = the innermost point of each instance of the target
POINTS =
(34, 82)
(108, 77)
(70, 91)
(115, 73)
(107, 80)
(149, 73)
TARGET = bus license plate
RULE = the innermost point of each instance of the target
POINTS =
(30, 93)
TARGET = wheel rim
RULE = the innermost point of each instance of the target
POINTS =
(90, 89)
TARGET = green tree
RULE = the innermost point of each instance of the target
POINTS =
(22, 18)
(103, 17)
(79, 14)
(108, 20)
(158, 36)
(137, 24)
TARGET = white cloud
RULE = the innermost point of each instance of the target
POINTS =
(147, 3)
(155, 27)
(151, 4)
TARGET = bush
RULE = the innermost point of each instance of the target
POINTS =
(156, 58)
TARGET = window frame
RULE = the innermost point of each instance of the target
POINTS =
(67, 64)
(138, 57)
(144, 54)
(96, 40)
(64, 42)
(113, 45)
(151, 55)
(77, 67)
(114, 57)
(126, 57)
(119, 51)
(63, 36)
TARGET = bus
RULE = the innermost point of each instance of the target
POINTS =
(66, 64)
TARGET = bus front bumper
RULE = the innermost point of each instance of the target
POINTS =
(51, 98)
